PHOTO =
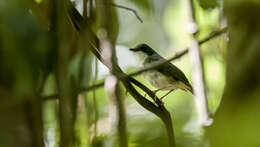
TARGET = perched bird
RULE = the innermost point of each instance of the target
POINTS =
(164, 77)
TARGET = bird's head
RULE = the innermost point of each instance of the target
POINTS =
(143, 49)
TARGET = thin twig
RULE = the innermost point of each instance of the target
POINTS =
(55, 96)
(178, 55)
(213, 35)
(129, 9)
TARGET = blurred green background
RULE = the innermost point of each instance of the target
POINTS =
(163, 28)
(30, 36)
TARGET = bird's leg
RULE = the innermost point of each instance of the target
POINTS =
(167, 94)
(155, 91)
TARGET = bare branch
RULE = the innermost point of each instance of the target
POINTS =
(178, 55)
(55, 96)
(129, 9)
(213, 35)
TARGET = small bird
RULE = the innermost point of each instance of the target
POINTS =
(164, 77)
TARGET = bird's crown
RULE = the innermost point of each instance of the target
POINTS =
(143, 48)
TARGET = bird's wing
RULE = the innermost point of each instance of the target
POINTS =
(170, 70)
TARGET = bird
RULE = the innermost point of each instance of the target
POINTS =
(164, 77)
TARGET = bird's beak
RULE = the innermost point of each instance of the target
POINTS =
(133, 49)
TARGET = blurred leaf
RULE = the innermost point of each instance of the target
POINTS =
(208, 4)
(38, 1)
(98, 141)
(27, 44)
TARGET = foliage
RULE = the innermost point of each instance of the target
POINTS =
(52, 54)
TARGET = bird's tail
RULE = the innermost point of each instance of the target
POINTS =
(190, 89)
(186, 87)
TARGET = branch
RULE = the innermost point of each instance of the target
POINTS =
(129, 9)
(213, 35)
(152, 66)
(55, 96)
(158, 110)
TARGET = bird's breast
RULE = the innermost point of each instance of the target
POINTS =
(158, 80)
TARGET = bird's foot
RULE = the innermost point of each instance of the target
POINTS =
(154, 93)
(160, 102)
(157, 90)
(156, 99)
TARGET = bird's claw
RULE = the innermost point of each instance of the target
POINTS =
(159, 101)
